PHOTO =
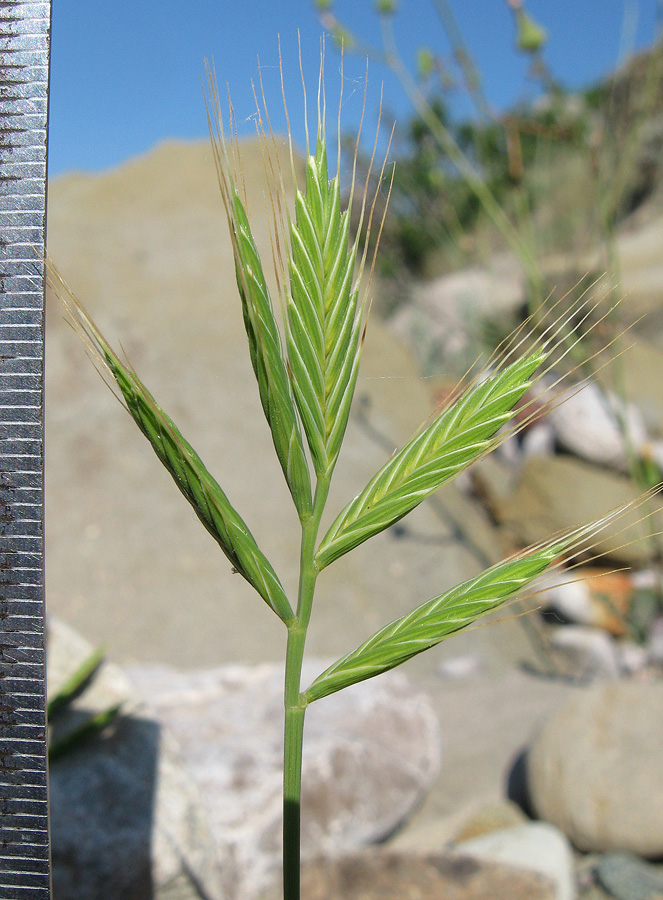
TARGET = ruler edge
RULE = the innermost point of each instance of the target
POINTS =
(35, 881)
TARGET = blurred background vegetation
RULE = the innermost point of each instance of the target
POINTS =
(555, 176)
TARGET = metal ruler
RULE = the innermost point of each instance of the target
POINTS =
(24, 70)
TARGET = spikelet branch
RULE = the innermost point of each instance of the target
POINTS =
(462, 605)
(265, 345)
(178, 456)
(325, 310)
(466, 429)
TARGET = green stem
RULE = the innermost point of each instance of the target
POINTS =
(292, 768)
(295, 705)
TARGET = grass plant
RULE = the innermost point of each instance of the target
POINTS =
(306, 363)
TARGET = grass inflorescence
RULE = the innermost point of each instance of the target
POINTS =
(306, 362)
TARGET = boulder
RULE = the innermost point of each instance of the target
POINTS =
(127, 822)
(384, 875)
(595, 769)
(534, 846)
(370, 755)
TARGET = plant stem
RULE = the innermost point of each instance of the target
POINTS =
(295, 705)
(292, 777)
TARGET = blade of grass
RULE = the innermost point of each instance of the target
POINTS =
(75, 684)
(85, 732)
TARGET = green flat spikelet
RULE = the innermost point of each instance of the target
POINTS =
(457, 437)
(185, 466)
(324, 314)
(434, 621)
(263, 333)
(201, 490)
(267, 359)
(455, 609)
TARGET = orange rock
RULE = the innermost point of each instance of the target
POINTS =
(611, 596)
(592, 596)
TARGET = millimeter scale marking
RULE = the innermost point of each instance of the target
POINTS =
(24, 71)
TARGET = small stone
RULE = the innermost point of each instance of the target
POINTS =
(536, 846)
(538, 440)
(589, 652)
(467, 666)
(588, 596)
(631, 657)
(595, 769)
(488, 818)
(655, 643)
(626, 877)
(589, 423)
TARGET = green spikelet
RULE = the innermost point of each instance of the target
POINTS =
(324, 312)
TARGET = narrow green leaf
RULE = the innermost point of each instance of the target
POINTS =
(267, 358)
(434, 621)
(75, 684)
(324, 315)
(458, 436)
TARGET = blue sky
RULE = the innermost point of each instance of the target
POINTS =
(126, 75)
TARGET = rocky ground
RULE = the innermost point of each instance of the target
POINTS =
(129, 567)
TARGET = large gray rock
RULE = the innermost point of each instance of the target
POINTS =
(596, 768)
(370, 755)
(126, 820)
(384, 875)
